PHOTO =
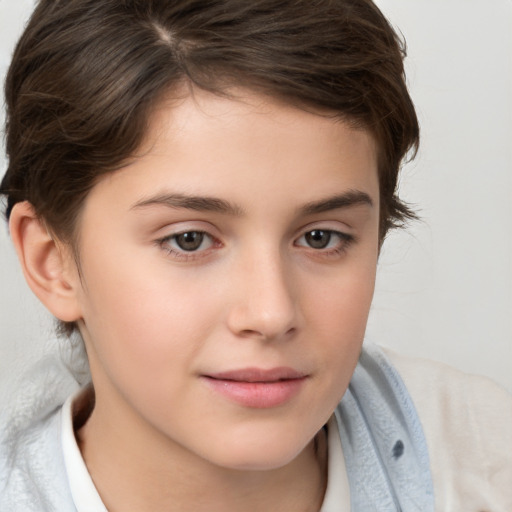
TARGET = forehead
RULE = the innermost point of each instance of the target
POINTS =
(247, 149)
(194, 110)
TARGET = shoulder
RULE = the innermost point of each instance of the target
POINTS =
(467, 421)
(32, 472)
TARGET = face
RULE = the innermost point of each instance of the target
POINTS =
(227, 275)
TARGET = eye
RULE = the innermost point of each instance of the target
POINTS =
(322, 239)
(188, 241)
(318, 239)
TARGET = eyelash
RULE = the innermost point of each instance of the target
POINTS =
(345, 241)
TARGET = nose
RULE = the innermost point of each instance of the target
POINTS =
(265, 304)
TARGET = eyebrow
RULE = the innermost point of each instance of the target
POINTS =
(196, 203)
(213, 204)
(345, 200)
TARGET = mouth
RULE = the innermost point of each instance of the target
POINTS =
(258, 375)
(257, 388)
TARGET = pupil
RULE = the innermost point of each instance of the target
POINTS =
(190, 241)
(318, 239)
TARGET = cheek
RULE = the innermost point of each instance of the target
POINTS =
(337, 314)
(341, 300)
(144, 319)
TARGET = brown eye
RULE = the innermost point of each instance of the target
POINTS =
(318, 239)
(189, 241)
(188, 245)
(325, 240)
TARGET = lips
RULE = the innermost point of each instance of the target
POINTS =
(257, 388)
(258, 375)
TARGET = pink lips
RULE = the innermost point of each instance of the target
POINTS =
(253, 387)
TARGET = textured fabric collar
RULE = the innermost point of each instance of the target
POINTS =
(383, 443)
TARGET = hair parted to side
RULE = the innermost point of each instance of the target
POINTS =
(86, 75)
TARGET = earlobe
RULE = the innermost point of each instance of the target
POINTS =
(47, 266)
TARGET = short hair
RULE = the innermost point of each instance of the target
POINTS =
(87, 74)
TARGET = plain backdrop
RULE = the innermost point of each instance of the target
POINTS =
(444, 289)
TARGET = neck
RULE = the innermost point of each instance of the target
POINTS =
(160, 475)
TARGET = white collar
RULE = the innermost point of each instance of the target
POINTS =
(337, 494)
(87, 499)
(85, 496)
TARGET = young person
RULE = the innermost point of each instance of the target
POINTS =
(200, 190)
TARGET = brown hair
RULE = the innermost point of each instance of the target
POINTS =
(86, 74)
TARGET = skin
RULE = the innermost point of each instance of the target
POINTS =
(156, 318)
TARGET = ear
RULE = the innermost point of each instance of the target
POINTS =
(48, 266)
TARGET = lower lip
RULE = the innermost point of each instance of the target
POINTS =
(258, 395)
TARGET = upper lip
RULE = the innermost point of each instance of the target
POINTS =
(258, 374)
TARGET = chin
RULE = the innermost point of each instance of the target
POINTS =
(260, 463)
(258, 455)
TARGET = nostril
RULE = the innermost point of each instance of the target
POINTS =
(266, 334)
